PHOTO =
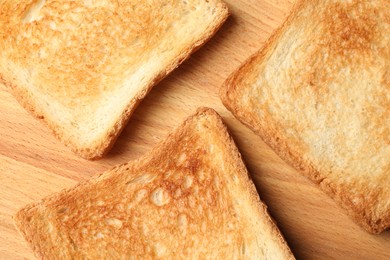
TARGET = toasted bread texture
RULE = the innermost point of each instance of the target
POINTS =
(318, 93)
(83, 66)
(191, 197)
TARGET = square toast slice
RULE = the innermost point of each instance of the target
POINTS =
(318, 93)
(83, 66)
(191, 197)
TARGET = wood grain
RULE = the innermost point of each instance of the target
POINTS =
(33, 164)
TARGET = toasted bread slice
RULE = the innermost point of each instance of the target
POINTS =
(83, 66)
(191, 197)
(319, 94)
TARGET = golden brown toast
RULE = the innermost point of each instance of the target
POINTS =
(191, 197)
(319, 94)
(83, 66)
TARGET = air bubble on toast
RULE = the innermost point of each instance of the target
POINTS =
(160, 197)
(159, 249)
(53, 26)
(33, 13)
(42, 54)
(187, 182)
(114, 222)
(182, 158)
(142, 179)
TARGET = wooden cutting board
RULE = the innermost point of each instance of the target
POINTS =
(33, 164)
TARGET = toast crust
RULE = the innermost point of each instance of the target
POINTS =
(85, 85)
(53, 226)
(354, 49)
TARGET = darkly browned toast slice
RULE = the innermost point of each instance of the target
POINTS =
(191, 197)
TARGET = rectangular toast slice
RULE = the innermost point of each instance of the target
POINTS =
(318, 93)
(83, 66)
(191, 197)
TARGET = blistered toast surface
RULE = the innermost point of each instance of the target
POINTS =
(191, 197)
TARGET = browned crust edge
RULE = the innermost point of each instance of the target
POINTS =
(102, 146)
(27, 211)
(267, 131)
(249, 184)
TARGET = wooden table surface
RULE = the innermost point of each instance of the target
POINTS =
(33, 164)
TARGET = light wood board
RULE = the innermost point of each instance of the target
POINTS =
(34, 164)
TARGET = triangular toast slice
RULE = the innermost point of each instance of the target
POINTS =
(191, 197)
(83, 66)
(319, 94)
